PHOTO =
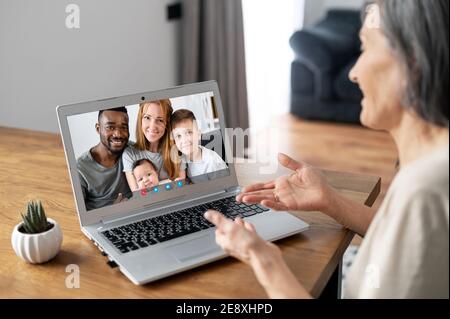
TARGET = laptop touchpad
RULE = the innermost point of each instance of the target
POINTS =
(194, 248)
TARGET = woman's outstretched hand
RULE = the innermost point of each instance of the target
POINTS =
(305, 189)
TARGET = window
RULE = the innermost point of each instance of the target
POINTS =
(268, 25)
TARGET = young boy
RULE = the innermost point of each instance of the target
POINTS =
(195, 159)
(145, 174)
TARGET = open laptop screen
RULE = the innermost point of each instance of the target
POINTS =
(140, 151)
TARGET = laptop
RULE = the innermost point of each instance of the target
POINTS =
(156, 231)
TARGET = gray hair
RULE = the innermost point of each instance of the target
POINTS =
(418, 32)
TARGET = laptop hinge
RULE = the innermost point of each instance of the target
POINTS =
(233, 189)
(159, 207)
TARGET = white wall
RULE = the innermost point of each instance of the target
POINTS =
(122, 47)
(316, 9)
(200, 105)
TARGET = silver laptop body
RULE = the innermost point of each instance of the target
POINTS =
(163, 259)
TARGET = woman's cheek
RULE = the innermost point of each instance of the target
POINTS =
(368, 113)
(364, 117)
(162, 129)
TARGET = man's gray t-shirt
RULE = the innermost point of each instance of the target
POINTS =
(101, 185)
(131, 154)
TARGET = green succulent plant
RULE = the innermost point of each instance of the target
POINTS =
(34, 220)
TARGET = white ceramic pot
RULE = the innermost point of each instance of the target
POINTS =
(37, 248)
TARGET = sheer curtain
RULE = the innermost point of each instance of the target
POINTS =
(212, 48)
(268, 25)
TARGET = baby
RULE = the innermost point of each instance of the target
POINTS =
(145, 174)
(195, 159)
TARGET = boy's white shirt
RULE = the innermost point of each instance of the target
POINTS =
(211, 162)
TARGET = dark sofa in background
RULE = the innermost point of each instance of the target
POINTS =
(324, 55)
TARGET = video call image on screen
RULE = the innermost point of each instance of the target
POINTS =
(142, 150)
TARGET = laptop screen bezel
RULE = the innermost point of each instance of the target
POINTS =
(141, 204)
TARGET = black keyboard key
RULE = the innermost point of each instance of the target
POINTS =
(142, 244)
(231, 213)
(182, 233)
(125, 247)
(250, 213)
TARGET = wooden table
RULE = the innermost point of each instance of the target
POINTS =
(32, 166)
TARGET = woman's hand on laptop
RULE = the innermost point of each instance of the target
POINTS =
(305, 189)
(239, 239)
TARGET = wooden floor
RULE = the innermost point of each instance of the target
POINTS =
(340, 147)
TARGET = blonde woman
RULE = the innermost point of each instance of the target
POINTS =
(152, 141)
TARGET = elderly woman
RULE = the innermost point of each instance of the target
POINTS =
(403, 72)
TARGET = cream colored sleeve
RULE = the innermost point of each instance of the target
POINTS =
(410, 257)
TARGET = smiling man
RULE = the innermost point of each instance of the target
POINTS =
(100, 169)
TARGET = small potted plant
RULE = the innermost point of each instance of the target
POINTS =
(37, 239)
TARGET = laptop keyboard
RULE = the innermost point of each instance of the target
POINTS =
(180, 223)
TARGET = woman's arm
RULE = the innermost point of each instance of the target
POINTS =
(274, 275)
(127, 160)
(131, 181)
(349, 214)
(181, 175)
